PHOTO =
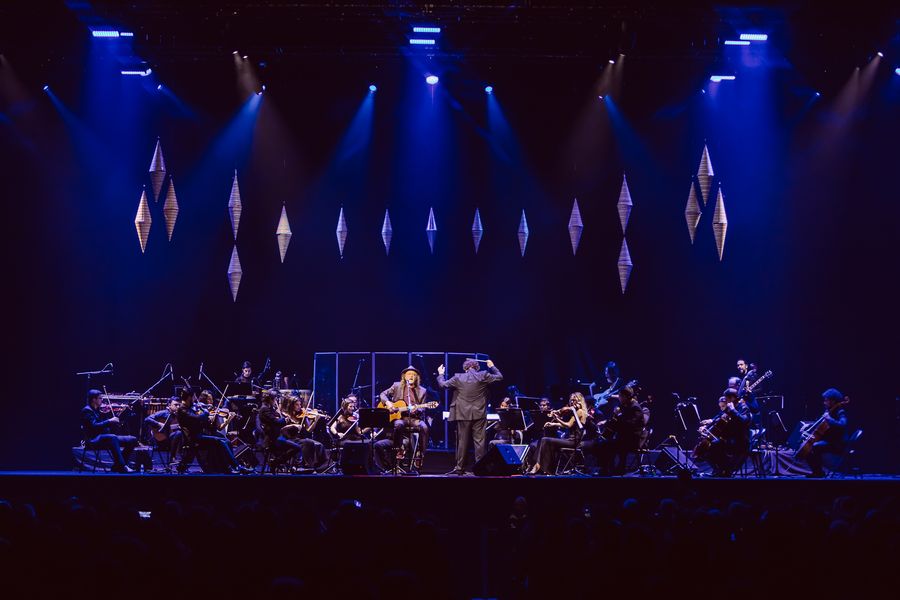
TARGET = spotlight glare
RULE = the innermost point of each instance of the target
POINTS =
(263, 87)
(737, 43)
(159, 87)
(373, 88)
(46, 87)
(818, 94)
(235, 52)
(755, 37)
(489, 89)
(612, 62)
(897, 71)
(432, 80)
(718, 78)
(421, 42)
(601, 97)
(245, 57)
(880, 54)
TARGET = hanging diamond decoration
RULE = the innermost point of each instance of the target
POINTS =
(234, 274)
(705, 175)
(283, 233)
(477, 230)
(387, 232)
(235, 207)
(431, 229)
(625, 265)
(576, 226)
(720, 223)
(142, 220)
(692, 212)
(523, 233)
(157, 171)
(624, 205)
(341, 232)
(170, 208)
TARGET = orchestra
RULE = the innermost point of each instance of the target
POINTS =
(602, 432)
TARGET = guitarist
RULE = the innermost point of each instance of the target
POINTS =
(165, 428)
(410, 391)
(748, 375)
(835, 437)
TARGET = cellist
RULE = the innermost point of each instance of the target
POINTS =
(835, 437)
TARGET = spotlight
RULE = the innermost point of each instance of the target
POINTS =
(880, 54)
(426, 29)
(755, 37)
(159, 87)
(488, 89)
(235, 52)
(373, 88)
(612, 62)
(46, 87)
(245, 57)
(818, 94)
(601, 97)
(737, 43)
(421, 42)
(897, 71)
(718, 78)
(104, 33)
(432, 80)
(263, 87)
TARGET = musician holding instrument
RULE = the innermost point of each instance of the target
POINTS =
(469, 407)
(614, 382)
(403, 396)
(195, 426)
(725, 438)
(164, 427)
(345, 427)
(834, 437)
(748, 374)
(96, 429)
(283, 432)
(569, 422)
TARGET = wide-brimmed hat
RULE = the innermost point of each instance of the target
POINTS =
(410, 368)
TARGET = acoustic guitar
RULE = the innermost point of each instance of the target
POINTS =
(400, 407)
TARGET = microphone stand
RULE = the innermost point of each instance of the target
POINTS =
(168, 371)
(106, 370)
(203, 375)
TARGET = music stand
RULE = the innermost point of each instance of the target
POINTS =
(375, 418)
(512, 419)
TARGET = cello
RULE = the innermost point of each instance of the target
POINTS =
(816, 431)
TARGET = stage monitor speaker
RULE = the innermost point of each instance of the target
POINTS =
(357, 459)
(669, 458)
(501, 459)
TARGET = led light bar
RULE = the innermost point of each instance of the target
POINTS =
(421, 42)
(718, 78)
(737, 43)
(755, 37)
(426, 29)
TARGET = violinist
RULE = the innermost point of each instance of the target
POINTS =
(345, 427)
(96, 430)
(835, 437)
(535, 430)
(730, 443)
(219, 415)
(281, 432)
(195, 424)
(165, 428)
(569, 423)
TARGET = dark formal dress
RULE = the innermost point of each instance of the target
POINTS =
(833, 442)
(469, 409)
(194, 428)
(97, 434)
(270, 423)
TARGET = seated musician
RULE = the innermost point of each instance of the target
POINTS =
(165, 428)
(345, 428)
(835, 437)
(502, 435)
(410, 392)
(195, 424)
(569, 422)
(246, 375)
(534, 432)
(732, 440)
(223, 415)
(292, 434)
(97, 434)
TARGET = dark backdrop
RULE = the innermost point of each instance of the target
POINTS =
(806, 287)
